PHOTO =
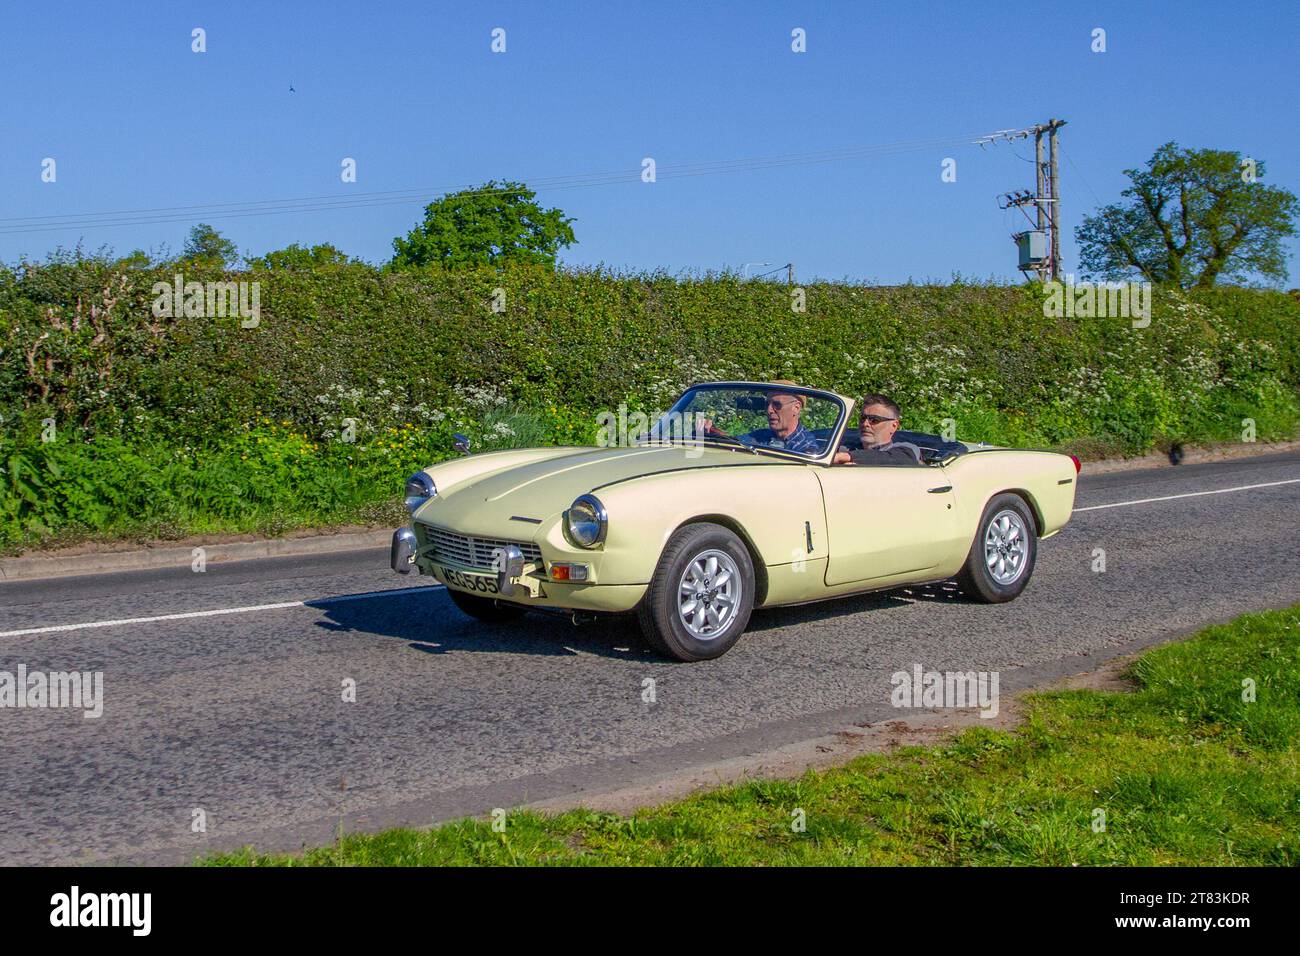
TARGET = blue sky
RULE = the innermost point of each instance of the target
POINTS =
(412, 92)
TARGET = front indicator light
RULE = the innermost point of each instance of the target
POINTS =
(568, 572)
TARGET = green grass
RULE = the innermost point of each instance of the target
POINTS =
(1186, 771)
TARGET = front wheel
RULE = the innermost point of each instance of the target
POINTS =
(485, 609)
(700, 597)
(1002, 556)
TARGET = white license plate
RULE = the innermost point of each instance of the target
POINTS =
(464, 581)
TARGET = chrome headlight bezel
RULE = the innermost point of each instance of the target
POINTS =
(586, 522)
(419, 489)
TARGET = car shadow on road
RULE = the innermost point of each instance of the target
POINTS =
(432, 624)
(944, 592)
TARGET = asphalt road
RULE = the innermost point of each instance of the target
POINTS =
(241, 715)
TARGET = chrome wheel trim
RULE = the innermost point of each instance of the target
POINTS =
(708, 594)
(1006, 547)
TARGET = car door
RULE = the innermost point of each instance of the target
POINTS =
(884, 521)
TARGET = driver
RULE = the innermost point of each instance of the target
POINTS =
(784, 429)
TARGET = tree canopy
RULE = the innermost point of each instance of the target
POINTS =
(296, 257)
(491, 225)
(206, 246)
(1191, 218)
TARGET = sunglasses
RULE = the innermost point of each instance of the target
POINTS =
(877, 419)
(777, 404)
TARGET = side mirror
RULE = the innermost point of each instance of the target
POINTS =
(460, 443)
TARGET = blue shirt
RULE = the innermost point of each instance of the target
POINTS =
(800, 440)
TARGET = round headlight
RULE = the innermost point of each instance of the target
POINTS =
(419, 489)
(585, 521)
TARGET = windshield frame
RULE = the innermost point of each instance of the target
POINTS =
(845, 406)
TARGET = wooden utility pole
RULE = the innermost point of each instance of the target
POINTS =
(1040, 184)
(1046, 197)
(1054, 125)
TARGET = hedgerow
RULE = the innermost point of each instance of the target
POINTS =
(131, 410)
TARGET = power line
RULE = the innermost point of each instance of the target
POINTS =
(239, 210)
(1082, 179)
(1113, 246)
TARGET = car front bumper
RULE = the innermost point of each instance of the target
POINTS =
(405, 548)
(523, 583)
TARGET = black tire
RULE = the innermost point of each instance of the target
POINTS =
(485, 609)
(663, 621)
(979, 580)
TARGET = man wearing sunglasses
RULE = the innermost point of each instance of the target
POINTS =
(877, 424)
(784, 429)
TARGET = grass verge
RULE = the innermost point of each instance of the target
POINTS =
(1187, 769)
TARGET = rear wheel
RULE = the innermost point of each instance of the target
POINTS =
(485, 609)
(1002, 556)
(700, 597)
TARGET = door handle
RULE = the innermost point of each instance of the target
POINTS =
(941, 489)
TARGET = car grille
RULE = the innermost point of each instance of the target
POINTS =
(473, 552)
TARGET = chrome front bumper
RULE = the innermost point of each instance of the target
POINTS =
(402, 555)
(507, 562)
(514, 585)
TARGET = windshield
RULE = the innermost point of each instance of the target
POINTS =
(768, 417)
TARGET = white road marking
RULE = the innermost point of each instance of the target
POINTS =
(216, 613)
(357, 597)
(1190, 494)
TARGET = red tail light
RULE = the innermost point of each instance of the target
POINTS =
(1078, 465)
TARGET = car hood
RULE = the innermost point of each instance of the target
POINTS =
(539, 489)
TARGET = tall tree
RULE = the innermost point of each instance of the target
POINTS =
(206, 246)
(493, 224)
(1191, 218)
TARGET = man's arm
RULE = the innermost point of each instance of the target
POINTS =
(893, 457)
(706, 427)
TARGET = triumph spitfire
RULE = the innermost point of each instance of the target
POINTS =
(693, 527)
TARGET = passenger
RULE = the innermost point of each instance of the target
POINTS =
(877, 424)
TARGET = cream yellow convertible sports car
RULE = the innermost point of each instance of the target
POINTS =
(728, 502)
